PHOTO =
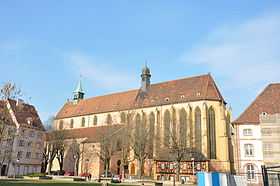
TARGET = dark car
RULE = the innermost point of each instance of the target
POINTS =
(116, 179)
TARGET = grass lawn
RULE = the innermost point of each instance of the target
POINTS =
(44, 183)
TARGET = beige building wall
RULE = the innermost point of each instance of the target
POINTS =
(270, 133)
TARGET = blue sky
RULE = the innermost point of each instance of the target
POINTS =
(46, 45)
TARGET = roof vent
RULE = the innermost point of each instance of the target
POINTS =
(166, 99)
(264, 114)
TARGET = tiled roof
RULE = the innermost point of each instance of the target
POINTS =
(267, 101)
(93, 134)
(23, 112)
(177, 91)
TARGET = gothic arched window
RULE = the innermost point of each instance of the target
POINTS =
(95, 120)
(83, 122)
(138, 125)
(151, 133)
(109, 119)
(183, 127)
(123, 118)
(211, 125)
(144, 121)
(166, 127)
(71, 123)
(197, 128)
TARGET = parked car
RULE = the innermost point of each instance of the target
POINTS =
(116, 179)
(69, 173)
(85, 174)
(109, 175)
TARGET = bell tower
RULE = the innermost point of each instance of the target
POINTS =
(78, 92)
(145, 78)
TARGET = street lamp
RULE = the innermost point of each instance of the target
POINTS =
(75, 157)
(16, 165)
(192, 165)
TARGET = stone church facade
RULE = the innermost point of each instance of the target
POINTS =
(192, 106)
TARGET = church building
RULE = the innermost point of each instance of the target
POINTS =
(192, 108)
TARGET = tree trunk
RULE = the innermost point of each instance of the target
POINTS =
(140, 168)
(178, 168)
(50, 167)
(77, 167)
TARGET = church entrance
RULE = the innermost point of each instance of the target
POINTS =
(3, 170)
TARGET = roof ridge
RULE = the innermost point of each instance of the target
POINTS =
(153, 84)
(252, 103)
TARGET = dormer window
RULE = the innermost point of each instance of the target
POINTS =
(198, 94)
(182, 96)
(166, 99)
(29, 121)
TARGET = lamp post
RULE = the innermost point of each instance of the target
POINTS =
(193, 166)
(75, 157)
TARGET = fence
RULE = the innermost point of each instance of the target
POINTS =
(271, 175)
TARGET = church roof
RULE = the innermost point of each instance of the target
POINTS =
(267, 101)
(177, 91)
(91, 134)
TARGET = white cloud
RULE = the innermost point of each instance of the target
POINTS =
(243, 55)
(100, 74)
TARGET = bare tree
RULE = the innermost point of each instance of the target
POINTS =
(76, 153)
(109, 145)
(56, 148)
(7, 130)
(10, 91)
(140, 144)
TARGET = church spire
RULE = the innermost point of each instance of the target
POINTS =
(145, 78)
(79, 92)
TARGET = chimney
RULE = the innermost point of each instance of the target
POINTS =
(19, 102)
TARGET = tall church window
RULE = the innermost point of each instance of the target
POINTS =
(123, 118)
(71, 123)
(144, 121)
(95, 120)
(211, 125)
(166, 127)
(60, 125)
(138, 125)
(151, 133)
(197, 129)
(109, 119)
(83, 122)
(183, 127)
(174, 125)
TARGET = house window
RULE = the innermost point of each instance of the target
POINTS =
(71, 123)
(109, 119)
(19, 154)
(247, 132)
(21, 143)
(249, 150)
(29, 144)
(123, 118)
(250, 172)
(37, 155)
(31, 134)
(28, 155)
(95, 120)
(60, 125)
(83, 122)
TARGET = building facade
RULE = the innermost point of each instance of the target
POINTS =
(23, 140)
(191, 106)
(254, 138)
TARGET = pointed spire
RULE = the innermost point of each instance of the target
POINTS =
(145, 78)
(79, 92)
(79, 87)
